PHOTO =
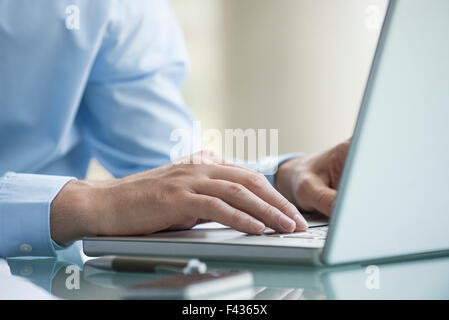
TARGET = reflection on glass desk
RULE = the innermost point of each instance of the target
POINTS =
(414, 279)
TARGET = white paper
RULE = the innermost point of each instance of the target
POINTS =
(4, 268)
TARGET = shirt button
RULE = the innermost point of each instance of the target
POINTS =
(26, 271)
(25, 248)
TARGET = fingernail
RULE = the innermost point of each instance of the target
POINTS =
(287, 224)
(258, 227)
(301, 223)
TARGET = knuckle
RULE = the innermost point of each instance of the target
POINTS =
(323, 201)
(180, 169)
(236, 189)
(320, 197)
(204, 157)
(172, 188)
(267, 210)
(183, 160)
(213, 203)
(257, 180)
(305, 183)
(284, 204)
(208, 165)
(235, 218)
(197, 202)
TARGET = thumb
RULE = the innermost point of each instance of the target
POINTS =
(322, 198)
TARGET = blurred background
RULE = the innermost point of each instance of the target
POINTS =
(299, 66)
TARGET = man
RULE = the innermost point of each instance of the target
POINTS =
(103, 79)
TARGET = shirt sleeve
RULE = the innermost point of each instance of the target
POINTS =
(25, 201)
(133, 101)
(268, 166)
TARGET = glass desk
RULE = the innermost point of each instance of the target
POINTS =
(413, 279)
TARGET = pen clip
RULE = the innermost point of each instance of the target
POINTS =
(193, 266)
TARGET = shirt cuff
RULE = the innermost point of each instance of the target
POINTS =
(270, 165)
(25, 201)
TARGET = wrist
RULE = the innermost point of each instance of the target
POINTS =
(73, 212)
(284, 179)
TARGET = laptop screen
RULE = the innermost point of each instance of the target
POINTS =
(393, 196)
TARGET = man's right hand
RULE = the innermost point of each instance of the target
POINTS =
(176, 196)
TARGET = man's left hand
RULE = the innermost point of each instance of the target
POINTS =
(311, 181)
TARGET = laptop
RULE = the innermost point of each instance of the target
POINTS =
(392, 200)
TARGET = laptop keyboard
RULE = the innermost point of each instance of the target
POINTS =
(314, 233)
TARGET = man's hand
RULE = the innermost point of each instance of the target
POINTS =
(176, 196)
(311, 181)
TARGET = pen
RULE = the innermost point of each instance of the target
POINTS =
(146, 264)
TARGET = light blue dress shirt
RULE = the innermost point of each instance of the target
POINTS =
(99, 79)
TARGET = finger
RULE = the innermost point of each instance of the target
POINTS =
(259, 185)
(317, 195)
(324, 200)
(335, 166)
(241, 198)
(212, 208)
